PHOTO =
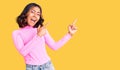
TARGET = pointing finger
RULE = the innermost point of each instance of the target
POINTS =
(46, 24)
(74, 21)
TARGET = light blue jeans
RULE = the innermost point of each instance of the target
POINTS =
(46, 66)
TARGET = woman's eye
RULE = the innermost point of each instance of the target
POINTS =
(38, 14)
(32, 11)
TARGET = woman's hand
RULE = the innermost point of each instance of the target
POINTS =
(41, 31)
(72, 28)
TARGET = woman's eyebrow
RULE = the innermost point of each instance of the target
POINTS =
(36, 11)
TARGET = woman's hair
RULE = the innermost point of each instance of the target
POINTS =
(21, 19)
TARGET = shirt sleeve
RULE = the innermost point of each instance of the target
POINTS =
(56, 45)
(24, 49)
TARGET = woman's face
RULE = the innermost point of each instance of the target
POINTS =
(33, 16)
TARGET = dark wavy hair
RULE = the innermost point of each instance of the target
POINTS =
(21, 19)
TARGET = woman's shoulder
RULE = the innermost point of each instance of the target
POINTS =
(16, 32)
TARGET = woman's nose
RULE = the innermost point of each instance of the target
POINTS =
(35, 15)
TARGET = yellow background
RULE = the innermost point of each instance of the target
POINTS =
(95, 46)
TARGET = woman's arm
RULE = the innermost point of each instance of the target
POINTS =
(56, 45)
(50, 42)
(24, 49)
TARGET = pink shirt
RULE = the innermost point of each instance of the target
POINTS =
(32, 47)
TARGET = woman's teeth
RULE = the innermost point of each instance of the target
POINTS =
(33, 20)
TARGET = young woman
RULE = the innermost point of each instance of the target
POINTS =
(32, 36)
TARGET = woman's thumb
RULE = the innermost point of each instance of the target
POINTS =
(39, 27)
